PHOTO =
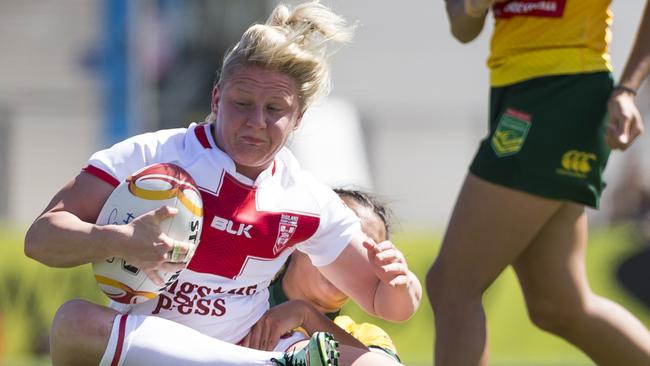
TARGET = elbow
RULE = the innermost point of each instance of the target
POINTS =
(464, 40)
(399, 312)
(465, 32)
(463, 37)
(33, 249)
(401, 315)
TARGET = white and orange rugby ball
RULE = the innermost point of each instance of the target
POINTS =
(148, 189)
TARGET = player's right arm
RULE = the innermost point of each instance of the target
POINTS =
(625, 121)
(65, 235)
(467, 17)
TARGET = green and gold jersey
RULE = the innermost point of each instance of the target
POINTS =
(534, 38)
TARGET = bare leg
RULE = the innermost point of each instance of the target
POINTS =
(490, 227)
(362, 357)
(553, 278)
(80, 333)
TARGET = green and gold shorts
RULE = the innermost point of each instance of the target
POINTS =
(547, 137)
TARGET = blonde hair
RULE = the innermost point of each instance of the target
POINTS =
(295, 43)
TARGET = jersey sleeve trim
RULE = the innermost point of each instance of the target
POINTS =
(97, 172)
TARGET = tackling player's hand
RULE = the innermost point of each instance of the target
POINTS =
(144, 245)
(388, 263)
(276, 322)
(625, 122)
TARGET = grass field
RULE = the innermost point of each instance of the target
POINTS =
(31, 293)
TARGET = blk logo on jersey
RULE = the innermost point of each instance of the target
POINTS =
(228, 226)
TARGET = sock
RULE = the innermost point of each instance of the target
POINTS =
(150, 340)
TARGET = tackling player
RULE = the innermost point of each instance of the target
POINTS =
(301, 297)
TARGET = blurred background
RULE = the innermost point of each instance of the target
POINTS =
(408, 107)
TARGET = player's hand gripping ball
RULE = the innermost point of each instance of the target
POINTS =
(150, 188)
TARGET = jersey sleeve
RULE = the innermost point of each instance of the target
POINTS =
(124, 158)
(338, 226)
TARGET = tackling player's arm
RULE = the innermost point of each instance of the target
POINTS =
(65, 235)
(291, 315)
(377, 278)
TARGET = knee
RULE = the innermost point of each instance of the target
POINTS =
(435, 286)
(75, 324)
(557, 317)
(445, 290)
(68, 319)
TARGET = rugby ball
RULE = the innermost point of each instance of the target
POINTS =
(149, 189)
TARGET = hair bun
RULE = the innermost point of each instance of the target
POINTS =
(279, 17)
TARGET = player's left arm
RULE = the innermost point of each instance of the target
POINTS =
(377, 278)
(625, 122)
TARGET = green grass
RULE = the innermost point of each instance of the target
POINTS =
(32, 292)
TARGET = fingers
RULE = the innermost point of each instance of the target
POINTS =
(179, 250)
(265, 334)
(264, 338)
(164, 212)
(386, 252)
(255, 335)
(625, 123)
(396, 273)
(370, 246)
(154, 277)
(176, 251)
(390, 255)
(401, 280)
(172, 267)
(636, 129)
(274, 339)
(621, 134)
(390, 263)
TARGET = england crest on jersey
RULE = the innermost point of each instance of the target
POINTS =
(288, 225)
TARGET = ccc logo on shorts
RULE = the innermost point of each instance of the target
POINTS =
(576, 163)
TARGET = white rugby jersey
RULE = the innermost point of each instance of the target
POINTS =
(249, 228)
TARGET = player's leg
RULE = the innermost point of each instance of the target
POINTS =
(490, 226)
(150, 340)
(80, 333)
(88, 334)
(363, 357)
(554, 282)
